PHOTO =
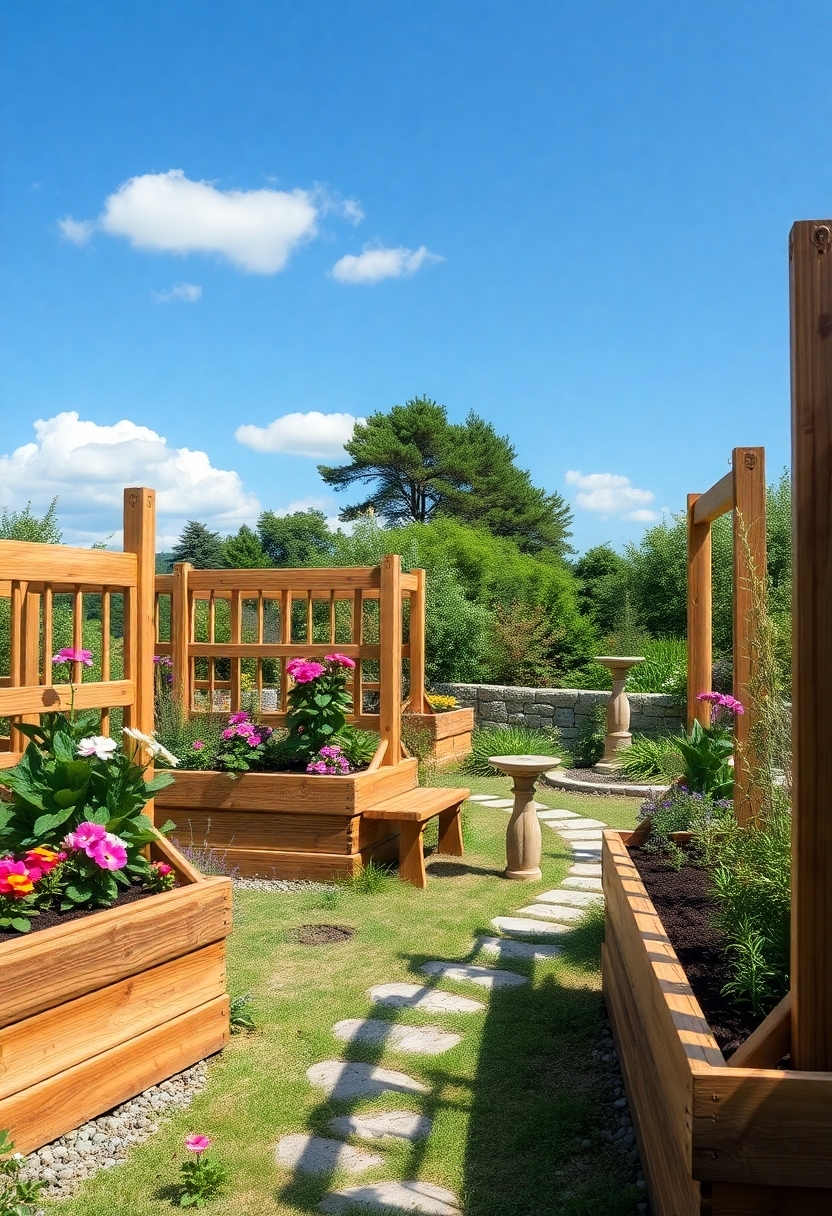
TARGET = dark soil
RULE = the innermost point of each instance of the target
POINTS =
(321, 935)
(48, 920)
(687, 912)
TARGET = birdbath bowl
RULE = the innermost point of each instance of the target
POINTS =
(523, 839)
(618, 711)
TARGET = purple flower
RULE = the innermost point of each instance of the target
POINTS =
(238, 717)
(197, 745)
(229, 733)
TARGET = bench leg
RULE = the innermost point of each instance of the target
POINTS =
(450, 832)
(412, 854)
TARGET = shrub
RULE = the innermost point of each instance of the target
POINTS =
(507, 741)
(664, 668)
(524, 646)
(588, 748)
(650, 759)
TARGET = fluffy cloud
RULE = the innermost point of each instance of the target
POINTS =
(377, 263)
(189, 292)
(611, 494)
(256, 230)
(312, 434)
(88, 466)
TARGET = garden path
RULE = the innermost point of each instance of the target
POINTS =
(551, 914)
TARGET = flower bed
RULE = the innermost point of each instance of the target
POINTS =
(714, 1139)
(450, 733)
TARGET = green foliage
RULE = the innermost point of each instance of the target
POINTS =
(665, 668)
(603, 578)
(178, 732)
(421, 467)
(525, 646)
(648, 759)
(24, 525)
(515, 740)
(200, 546)
(705, 753)
(678, 810)
(18, 1197)
(317, 712)
(603, 1198)
(371, 879)
(299, 539)
(203, 1179)
(588, 748)
(244, 551)
(239, 1015)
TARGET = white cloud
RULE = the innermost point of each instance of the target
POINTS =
(611, 494)
(377, 263)
(190, 292)
(88, 466)
(312, 434)
(77, 231)
(256, 230)
(351, 210)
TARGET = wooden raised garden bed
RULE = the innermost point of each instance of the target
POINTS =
(715, 1140)
(288, 825)
(96, 1010)
(450, 733)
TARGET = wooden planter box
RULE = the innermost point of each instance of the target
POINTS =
(95, 1011)
(714, 1140)
(450, 733)
(288, 825)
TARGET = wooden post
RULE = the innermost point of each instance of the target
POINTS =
(810, 250)
(180, 636)
(700, 646)
(390, 657)
(749, 527)
(418, 701)
(140, 538)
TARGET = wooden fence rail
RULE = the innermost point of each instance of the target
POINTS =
(230, 633)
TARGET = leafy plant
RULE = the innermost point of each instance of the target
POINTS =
(194, 740)
(242, 744)
(648, 759)
(514, 740)
(588, 748)
(204, 1179)
(705, 753)
(318, 702)
(524, 645)
(18, 1196)
(664, 668)
(240, 1017)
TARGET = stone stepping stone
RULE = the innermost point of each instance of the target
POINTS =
(416, 996)
(480, 797)
(590, 834)
(486, 977)
(524, 927)
(500, 803)
(423, 1040)
(574, 899)
(505, 948)
(387, 1124)
(317, 1155)
(575, 824)
(549, 814)
(583, 884)
(342, 1079)
(403, 1196)
(583, 869)
(552, 912)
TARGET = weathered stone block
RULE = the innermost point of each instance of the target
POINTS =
(564, 717)
(494, 711)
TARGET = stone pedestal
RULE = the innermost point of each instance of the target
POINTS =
(523, 838)
(618, 711)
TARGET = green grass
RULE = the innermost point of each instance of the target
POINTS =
(511, 1104)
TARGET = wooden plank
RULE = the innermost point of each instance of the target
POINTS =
(55, 965)
(730, 1200)
(277, 650)
(444, 725)
(39, 699)
(749, 526)
(163, 850)
(410, 582)
(246, 829)
(378, 756)
(33, 562)
(719, 500)
(180, 633)
(41, 1113)
(50, 1042)
(417, 804)
(140, 539)
(319, 867)
(770, 1042)
(811, 964)
(390, 664)
(273, 582)
(700, 615)
(763, 1127)
(106, 673)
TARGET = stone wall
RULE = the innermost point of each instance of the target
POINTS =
(566, 708)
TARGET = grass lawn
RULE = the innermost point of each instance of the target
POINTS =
(518, 1107)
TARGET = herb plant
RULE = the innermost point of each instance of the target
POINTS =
(18, 1196)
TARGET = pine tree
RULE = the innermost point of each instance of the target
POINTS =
(198, 545)
(244, 551)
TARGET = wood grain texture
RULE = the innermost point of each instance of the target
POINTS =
(273, 582)
(716, 501)
(727, 1199)
(140, 539)
(418, 805)
(319, 867)
(749, 559)
(180, 632)
(55, 965)
(312, 833)
(811, 350)
(700, 615)
(42, 1112)
(770, 1042)
(48, 1043)
(390, 667)
(39, 699)
(418, 699)
(38, 563)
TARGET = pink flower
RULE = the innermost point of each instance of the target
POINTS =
(86, 836)
(304, 671)
(229, 732)
(340, 660)
(197, 1144)
(254, 741)
(731, 704)
(110, 853)
(69, 655)
(16, 879)
(162, 867)
(245, 730)
(236, 719)
(197, 745)
(712, 697)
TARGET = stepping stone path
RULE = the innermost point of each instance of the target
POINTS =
(486, 977)
(421, 1040)
(549, 916)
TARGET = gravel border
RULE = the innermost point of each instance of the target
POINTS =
(281, 884)
(597, 784)
(105, 1142)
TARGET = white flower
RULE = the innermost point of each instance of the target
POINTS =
(97, 745)
(153, 745)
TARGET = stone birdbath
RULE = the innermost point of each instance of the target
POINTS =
(618, 711)
(523, 839)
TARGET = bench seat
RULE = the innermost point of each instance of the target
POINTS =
(412, 810)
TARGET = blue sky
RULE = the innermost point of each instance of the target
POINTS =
(575, 222)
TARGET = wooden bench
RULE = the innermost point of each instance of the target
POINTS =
(412, 811)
